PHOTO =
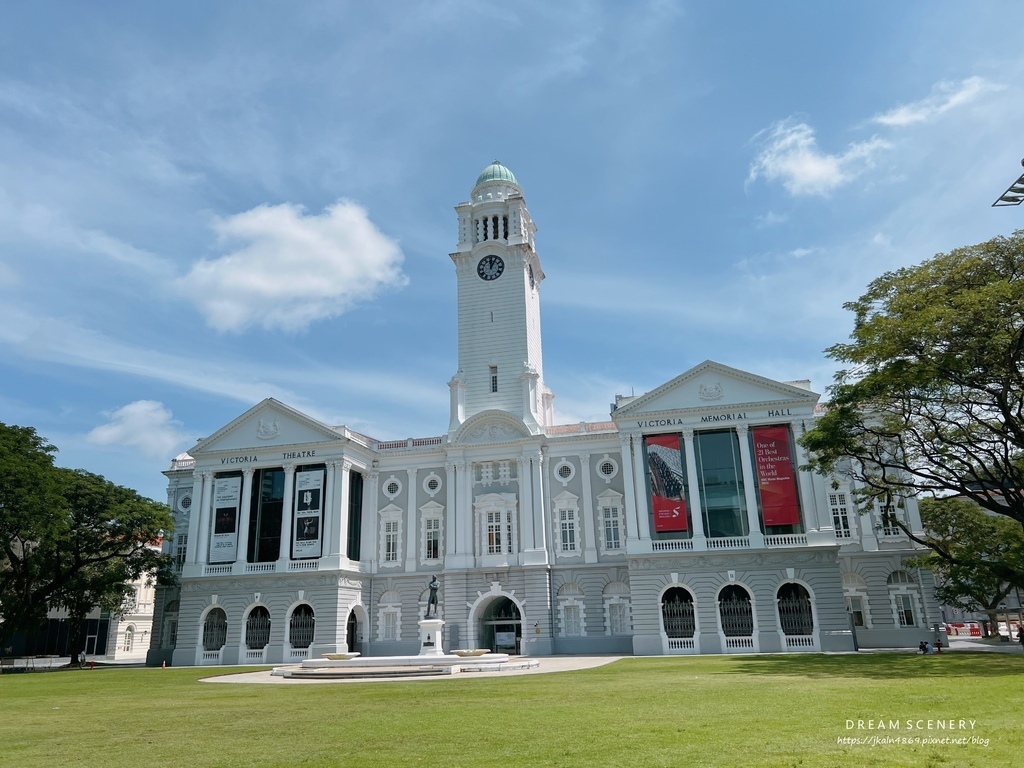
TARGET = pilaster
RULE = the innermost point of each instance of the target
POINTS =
(749, 488)
(693, 491)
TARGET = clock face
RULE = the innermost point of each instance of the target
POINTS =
(533, 282)
(490, 267)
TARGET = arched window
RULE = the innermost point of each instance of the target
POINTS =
(215, 630)
(735, 612)
(257, 629)
(300, 627)
(129, 639)
(795, 615)
(677, 615)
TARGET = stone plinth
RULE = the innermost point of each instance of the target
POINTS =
(430, 637)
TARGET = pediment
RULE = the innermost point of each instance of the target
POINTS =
(713, 386)
(266, 425)
(491, 427)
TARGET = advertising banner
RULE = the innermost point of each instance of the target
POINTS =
(665, 466)
(776, 476)
(307, 522)
(227, 493)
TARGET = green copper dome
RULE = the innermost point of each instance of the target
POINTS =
(496, 172)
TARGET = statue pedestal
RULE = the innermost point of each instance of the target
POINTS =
(430, 637)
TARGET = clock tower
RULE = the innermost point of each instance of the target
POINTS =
(499, 277)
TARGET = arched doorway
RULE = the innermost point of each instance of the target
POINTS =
(501, 626)
(678, 620)
(351, 630)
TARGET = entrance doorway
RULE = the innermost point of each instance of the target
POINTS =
(501, 626)
(350, 632)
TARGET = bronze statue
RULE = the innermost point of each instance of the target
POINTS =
(432, 600)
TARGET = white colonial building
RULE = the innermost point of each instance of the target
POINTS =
(681, 525)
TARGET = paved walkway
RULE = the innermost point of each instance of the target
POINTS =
(547, 664)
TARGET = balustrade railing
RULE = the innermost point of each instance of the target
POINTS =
(674, 545)
(736, 643)
(800, 641)
(786, 540)
(729, 542)
(681, 644)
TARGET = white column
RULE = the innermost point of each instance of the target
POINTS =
(816, 512)
(284, 553)
(465, 513)
(526, 511)
(539, 501)
(450, 520)
(342, 501)
(195, 512)
(371, 523)
(632, 527)
(693, 490)
(643, 512)
(588, 522)
(204, 519)
(328, 519)
(749, 488)
(411, 540)
(241, 553)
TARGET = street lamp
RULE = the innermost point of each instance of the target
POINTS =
(1014, 194)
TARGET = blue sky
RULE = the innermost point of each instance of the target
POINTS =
(205, 204)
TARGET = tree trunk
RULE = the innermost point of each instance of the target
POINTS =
(76, 642)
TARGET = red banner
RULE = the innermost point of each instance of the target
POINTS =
(665, 464)
(776, 476)
(669, 514)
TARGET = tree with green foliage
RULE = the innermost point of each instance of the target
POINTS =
(68, 538)
(931, 398)
(975, 555)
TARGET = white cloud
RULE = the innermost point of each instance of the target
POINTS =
(291, 269)
(791, 155)
(945, 95)
(42, 225)
(145, 425)
(771, 219)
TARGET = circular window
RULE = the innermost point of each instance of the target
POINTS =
(392, 487)
(186, 502)
(607, 467)
(565, 472)
(431, 484)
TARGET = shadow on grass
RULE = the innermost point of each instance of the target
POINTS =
(881, 666)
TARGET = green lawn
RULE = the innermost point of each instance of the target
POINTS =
(725, 711)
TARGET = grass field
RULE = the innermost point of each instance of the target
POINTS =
(723, 711)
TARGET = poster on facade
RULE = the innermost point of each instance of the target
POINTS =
(227, 492)
(776, 476)
(665, 468)
(307, 528)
